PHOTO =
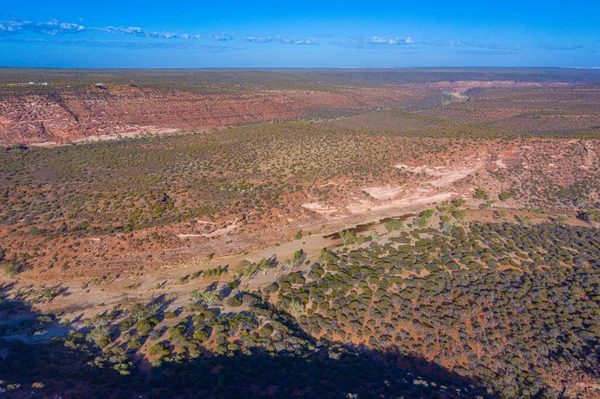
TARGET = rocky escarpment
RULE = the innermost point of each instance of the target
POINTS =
(64, 115)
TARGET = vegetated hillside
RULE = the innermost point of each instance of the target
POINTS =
(467, 310)
(513, 306)
(534, 111)
(261, 174)
(144, 351)
(137, 263)
(242, 188)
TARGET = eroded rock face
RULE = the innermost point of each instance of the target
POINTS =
(62, 116)
(509, 158)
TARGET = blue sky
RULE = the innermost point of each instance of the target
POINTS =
(195, 34)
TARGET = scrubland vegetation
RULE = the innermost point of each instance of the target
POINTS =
(149, 189)
(120, 186)
(66, 194)
(135, 268)
(513, 306)
(498, 310)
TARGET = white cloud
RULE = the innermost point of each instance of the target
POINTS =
(51, 28)
(221, 37)
(388, 40)
(306, 42)
(283, 40)
(55, 27)
(258, 39)
(72, 27)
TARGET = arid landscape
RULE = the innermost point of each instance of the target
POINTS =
(300, 233)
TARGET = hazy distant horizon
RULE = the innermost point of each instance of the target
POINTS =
(464, 67)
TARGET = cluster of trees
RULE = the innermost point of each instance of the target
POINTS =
(515, 308)
(505, 304)
(200, 352)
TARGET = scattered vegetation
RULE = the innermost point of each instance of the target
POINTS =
(479, 302)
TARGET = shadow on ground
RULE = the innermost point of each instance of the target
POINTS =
(51, 369)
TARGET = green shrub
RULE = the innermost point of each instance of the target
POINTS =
(486, 205)
(427, 213)
(234, 302)
(159, 349)
(100, 336)
(480, 194)
(134, 344)
(143, 327)
(459, 215)
(458, 202)
(393, 224)
(271, 288)
(504, 195)
(12, 269)
(200, 335)
(266, 330)
(170, 315)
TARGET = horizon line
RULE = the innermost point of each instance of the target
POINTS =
(332, 67)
